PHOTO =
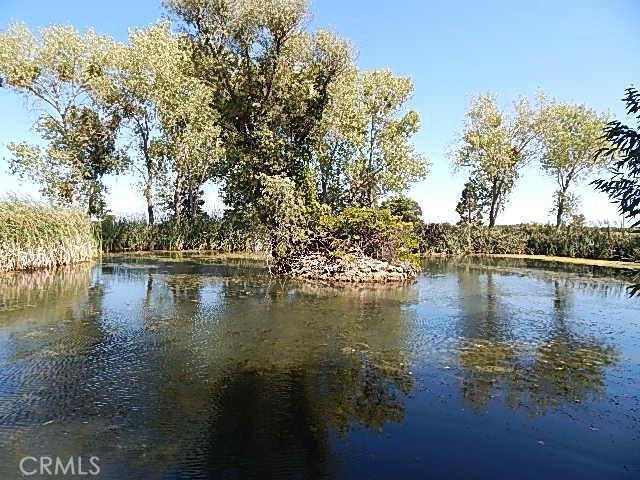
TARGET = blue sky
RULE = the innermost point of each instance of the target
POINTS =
(582, 51)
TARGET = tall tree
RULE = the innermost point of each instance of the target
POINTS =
(385, 160)
(271, 81)
(177, 146)
(624, 185)
(336, 139)
(495, 145)
(134, 80)
(60, 72)
(189, 152)
(570, 137)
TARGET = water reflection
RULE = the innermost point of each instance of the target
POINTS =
(536, 374)
(186, 367)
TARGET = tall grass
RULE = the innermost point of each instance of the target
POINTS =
(214, 233)
(37, 236)
(531, 239)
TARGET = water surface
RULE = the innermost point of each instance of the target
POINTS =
(198, 367)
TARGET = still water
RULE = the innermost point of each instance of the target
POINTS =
(200, 367)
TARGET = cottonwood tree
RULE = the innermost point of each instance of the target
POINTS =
(364, 149)
(336, 141)
(570, 137)
(140, 69)
(495, 145)
(190, 150)
(59, 73)
(176, 137)
(385, 160)
(270, 82)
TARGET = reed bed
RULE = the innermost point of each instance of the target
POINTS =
(34, 236)
(575, 241)
(211, 233)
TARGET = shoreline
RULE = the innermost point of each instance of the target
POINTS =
(617, 264)
(571, 260)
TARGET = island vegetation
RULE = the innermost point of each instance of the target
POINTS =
(313, 155)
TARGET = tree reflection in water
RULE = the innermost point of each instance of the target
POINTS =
(273, 383)
(536, 375)
(195, 368)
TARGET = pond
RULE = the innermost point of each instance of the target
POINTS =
(201, 367)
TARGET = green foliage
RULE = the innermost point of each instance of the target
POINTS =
(574, 241)
(60, 72)
(624, 151)
(244, 95)
(570, 137)
(222, 234)
(36, 236)
(385, 160)
(404, 207)
(269, 81)
(494, 146)
(470, 207)
(624, 186)
(373, 232)
(284, 211)
(363, 149)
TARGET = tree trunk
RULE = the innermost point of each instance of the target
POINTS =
(143, 130)
(492, 214)
(493, 210)
(192, 201)
(150, 211)
(176, 198)
(560, 212)
(562, 201)
(149, 197)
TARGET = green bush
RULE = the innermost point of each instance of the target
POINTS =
(373, 232)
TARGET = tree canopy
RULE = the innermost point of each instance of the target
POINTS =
(59, 73)
(494, 146)
(570, 136)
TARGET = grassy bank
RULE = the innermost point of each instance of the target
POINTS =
(220, 234)
(37, 236)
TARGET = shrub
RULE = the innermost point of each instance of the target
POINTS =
(373, 232)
